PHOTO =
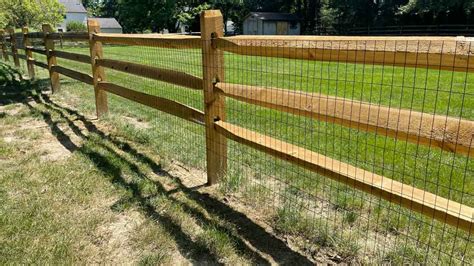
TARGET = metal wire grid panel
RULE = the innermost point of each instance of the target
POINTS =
(334, 217)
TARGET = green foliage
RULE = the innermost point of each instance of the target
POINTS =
(19, 13)
(76, 26)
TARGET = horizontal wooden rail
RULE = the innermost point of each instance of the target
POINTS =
(35, 35)
(441, 53)
(421, 201)
(154, 40)
(22, 56)
(73, 74)
(72, 56)
(170, 76)
(448, 133)
(78, 36)
(36, 50)
(162, 104)
(39, 64)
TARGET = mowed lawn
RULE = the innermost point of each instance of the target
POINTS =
(395, 232)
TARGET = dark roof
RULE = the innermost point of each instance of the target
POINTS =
(273, 16)
(108, 23)
(73, 6)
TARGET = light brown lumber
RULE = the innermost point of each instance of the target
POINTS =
(154, 40)
(73, 74)
(73, 56)
(212, 27)
(98, 72)
(441, 53)
(36, 50)
(49, 46)
(22, 56)
(69, 36)
(3, 44)
(158, 103)
(167, 75)
(431, 205)
(40, 64)
(36, 35)
(14, 50)
(448, 133)
(28, 53)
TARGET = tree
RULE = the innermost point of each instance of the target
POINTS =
(20, 13)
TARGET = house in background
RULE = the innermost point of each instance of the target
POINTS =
(267, 23)
(75, 11)
(109, 25)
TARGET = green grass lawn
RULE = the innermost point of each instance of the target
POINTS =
(300, 203)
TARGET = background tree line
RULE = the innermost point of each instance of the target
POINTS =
(317, 16)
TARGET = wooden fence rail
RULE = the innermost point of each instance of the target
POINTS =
(440, 53)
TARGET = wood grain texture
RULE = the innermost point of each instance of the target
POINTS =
(441, 53)
(14, 50)
(49, 46)
(212, 26)
(3, 45)
(28, 53)
(73, 74)
(153, 40)
(431, 205)
(170, 76)
(39, 64)
(447, 133)
(73, 56)
(158, 103)
(77, 36)
(98, 72)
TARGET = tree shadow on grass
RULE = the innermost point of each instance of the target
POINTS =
(106, 158)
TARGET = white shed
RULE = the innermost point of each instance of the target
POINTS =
(267, 23)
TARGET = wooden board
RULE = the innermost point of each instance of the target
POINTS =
(36, 35)
(431, 205)
(84, 36)
(36, 50)
(72, 56)
(162, 104)
(39, 64)
(154, 40)
(448, 133)
(98, 72)
(170, 76)
(448, 53)
(73, 74)
(212, 26)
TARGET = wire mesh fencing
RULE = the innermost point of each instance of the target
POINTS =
(356, 149)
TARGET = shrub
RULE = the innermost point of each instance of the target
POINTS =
(76, 26)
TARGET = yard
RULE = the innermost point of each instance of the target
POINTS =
(320, 218)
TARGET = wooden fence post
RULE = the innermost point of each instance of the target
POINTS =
(4, 46)
(98, 72)
(11, 31)
(49, 45)
(29, 54)
(212, 26)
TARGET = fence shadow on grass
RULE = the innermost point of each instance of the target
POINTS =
(14, 90)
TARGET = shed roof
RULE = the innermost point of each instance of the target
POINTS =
(108, 23)
(273, 16)
(73, 6)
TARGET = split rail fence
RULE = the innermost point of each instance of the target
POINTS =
(453, 135)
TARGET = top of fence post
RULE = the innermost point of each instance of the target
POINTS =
(98, 73)
(212, 26)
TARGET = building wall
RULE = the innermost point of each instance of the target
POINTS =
(111, 30)
(252, 26)
(79, 17)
